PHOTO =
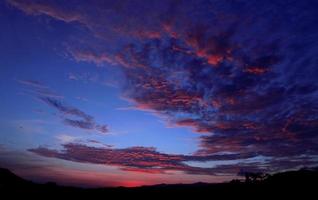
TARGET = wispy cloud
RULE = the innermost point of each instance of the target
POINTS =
(64, 138)
(32, 83)
(82, 120)
(37, 88)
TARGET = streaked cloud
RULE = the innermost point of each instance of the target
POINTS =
(149, 160)
(80, 119)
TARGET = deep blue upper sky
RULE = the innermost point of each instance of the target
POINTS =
(143, 92)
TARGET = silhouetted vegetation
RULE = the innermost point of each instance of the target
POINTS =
(303, 182)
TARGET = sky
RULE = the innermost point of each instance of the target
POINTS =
(135, 92)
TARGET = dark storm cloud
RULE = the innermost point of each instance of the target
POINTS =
(81, 119)
(242, 72)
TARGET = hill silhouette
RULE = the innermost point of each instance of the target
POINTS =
(303, 182)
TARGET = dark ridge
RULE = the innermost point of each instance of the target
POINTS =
(303, 182)
(7, 178)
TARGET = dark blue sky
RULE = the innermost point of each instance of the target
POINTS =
(144, 92)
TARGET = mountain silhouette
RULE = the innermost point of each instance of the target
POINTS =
(303, 182)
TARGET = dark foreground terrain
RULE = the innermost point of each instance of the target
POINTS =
(303, 183)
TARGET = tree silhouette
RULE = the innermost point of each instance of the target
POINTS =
(252, 177)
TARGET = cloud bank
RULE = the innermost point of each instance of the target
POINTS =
(241, 73)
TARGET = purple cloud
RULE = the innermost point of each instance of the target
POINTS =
(149, 160)
(245, 78)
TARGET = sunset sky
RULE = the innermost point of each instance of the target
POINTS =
(142, 92)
